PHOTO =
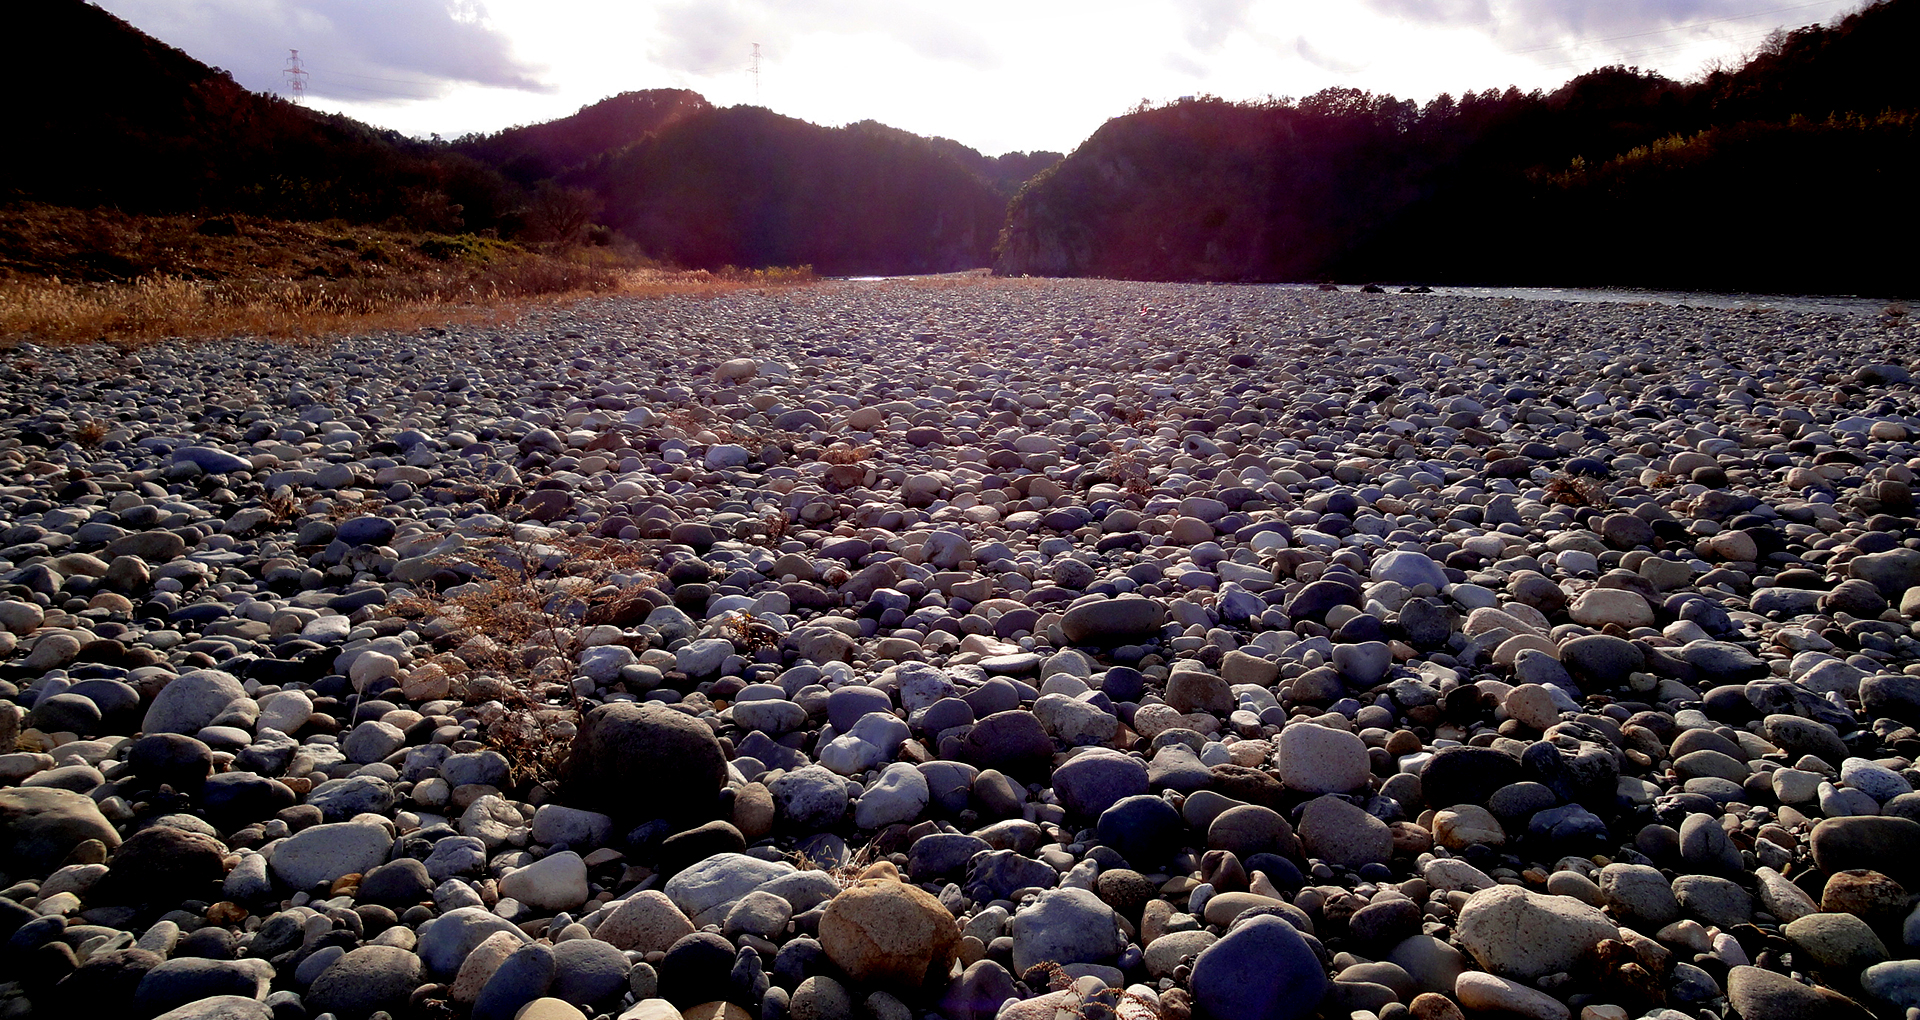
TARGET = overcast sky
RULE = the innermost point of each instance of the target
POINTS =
(999, 75)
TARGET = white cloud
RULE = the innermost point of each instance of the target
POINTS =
(354, 50)
(1557, 33)
(998, 75)
(1312, 55)
(698, 36)
(1211, 22)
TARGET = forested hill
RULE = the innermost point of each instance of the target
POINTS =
(537, 152)
(1784, 173)
(745, 186)
(662, 170)
(158, 131)
(707, 187)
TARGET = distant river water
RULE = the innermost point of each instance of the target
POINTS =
(1816, 303)
(1821, 304)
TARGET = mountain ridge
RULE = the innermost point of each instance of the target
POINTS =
(1618, 177)
(205, 145)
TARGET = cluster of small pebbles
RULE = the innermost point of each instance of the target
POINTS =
(971, 650)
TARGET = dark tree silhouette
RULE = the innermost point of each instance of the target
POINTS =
(1782, 174)
(559, 214)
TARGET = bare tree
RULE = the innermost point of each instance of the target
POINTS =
(559, 214)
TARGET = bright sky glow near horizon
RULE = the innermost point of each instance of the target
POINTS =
(997, 75)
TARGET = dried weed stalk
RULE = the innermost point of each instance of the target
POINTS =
(845, 874)
(91, 434)
(845, 455)
(1128, 469)
(1570, 490)
(514, 632)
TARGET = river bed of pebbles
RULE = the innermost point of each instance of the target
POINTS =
(968, 649)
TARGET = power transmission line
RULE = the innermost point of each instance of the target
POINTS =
(396, 81)
(295, 76)
(333, 87)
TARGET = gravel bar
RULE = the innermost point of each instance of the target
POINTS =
(969, 649)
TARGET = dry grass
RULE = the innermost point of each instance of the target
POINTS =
(1569, 490)
(509, 632)
(91, 434)
(693, 421)
(346, 504)
(1128, 469)
(842, 454)
(774, 527)
(847, 874)
(518, 614)
(746, 633)
(158, 308)
(149, 309)
(71, 276)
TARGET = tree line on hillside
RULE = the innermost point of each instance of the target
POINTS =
(685, 182)
(166, 133)
(1788, 172)
(745, 186)
(1785, 173)
(706, 187)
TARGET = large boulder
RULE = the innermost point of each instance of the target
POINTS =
(1340, 833)
(1893, 571)
(325, 853)
(1527, 935)
(1758, 994)
(888, 932)
(1013, 742)
(1113, 621)
(221, 1007)
(1320, 759)
(1467, 775)
(1876, 842)
(163, 865)
(1261, 970)
(704, 891)
(192, 701)
(646, 761)
(1097, 779)
(364, 980)
(40, 826)
(646, 921)
(1065, 926)
(447, 940)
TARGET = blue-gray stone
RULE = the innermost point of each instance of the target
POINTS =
(445, 941)
(996, 875)
(588, 972)
(486, 768)
(367, 979)
(341, 799)
(521, 978)
(1261, 970)
(942, 854)
(1895, 981)
(1094, 781)
(210, 460)
(366, 531)
(1704, 845)
(456, 855)
(1876, 781)
(178, 982)
(1146, 830)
